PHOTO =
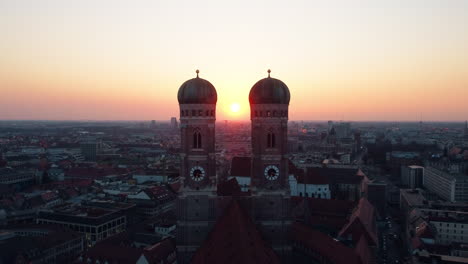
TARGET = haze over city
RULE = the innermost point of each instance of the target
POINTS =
(342, 60)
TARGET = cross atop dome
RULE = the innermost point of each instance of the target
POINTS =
(269, 73)
(197, 71)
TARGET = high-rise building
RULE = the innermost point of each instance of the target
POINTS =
(452, 187)
(412, 176)
(90, 149)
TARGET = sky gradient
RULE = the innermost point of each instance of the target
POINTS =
(342, 60)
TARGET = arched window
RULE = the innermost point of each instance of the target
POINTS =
(271, 140)
(197, 141)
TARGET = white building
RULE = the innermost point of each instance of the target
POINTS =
(309, 185)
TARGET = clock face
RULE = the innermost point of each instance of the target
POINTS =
(197, 173)
(271, 172)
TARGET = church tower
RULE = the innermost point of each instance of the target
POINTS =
(269, 102)
(196, 199)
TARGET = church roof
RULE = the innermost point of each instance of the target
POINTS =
(229, 188)
(240, 166)
(235, 239)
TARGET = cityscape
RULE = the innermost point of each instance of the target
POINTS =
(265, 163)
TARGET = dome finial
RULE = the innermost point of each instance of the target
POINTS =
(197, 71)
(269, 73)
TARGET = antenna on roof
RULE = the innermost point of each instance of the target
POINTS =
(269, 73)
(197, 71)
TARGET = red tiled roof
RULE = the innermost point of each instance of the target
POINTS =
(363, 251)
(159, 252)
(112, 254)
(323, 245)
(229, 188)
(235, 239)
(362, 222)
(424, 231)
(313, 177)
(332, 214)
(240, 166)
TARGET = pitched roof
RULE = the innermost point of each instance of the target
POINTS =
(337, 175)
(159, 252)
(240, 166)
(314, 177)
(235, 239)
(229, 188)
(363, 251)
(112, 254)
(331, 214)
(323, 245)
(362, 222)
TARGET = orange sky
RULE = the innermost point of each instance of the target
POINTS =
(119, 60)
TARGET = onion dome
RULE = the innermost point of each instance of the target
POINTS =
(269, 91)
(197, 91)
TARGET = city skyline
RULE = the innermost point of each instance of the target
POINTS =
(386, 61)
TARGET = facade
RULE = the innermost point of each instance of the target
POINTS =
(310, 185)
(412, 176)
(440, 183)
(90, 149)
(199, 206)
(96, 223)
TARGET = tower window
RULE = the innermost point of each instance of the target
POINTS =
(181, 113)
(268, 113)
(256, 113)
(200, 112)
(194, 113)
(274, 113)
(212, 112)
(261, 113)
(207, 112)
(197, 141)
(271, 140)
(186, 112)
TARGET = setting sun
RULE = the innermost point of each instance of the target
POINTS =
(235, 107)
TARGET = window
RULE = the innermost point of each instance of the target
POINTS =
(197, 141)
(256, 113)
(186, 112)
(212, 112)
(274, 113)
(271, 140)
(181, 112)
(194, 113)
(200, 112)
(268, 113)
(207, 112)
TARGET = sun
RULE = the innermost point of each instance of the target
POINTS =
(235, 107)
